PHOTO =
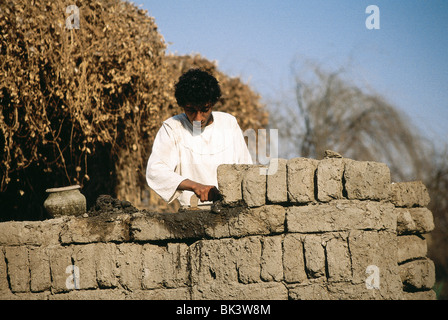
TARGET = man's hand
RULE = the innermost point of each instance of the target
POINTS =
(202, 191)
(206, 193)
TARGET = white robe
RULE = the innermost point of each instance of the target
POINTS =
(177, 154)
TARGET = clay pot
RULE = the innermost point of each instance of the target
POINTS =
(65, 201)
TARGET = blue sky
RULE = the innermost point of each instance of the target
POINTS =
(406, 60)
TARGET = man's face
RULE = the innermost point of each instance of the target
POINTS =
(202, 114)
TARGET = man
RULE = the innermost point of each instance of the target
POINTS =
(190, 146)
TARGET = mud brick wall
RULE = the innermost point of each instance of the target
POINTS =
(299, 229)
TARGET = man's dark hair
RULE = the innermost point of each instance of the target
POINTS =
(197, 87)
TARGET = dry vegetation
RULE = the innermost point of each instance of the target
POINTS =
(82, 106)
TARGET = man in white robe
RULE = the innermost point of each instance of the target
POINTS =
(190, 146)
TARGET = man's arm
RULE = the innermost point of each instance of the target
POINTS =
(203, 192)
(160, 171)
